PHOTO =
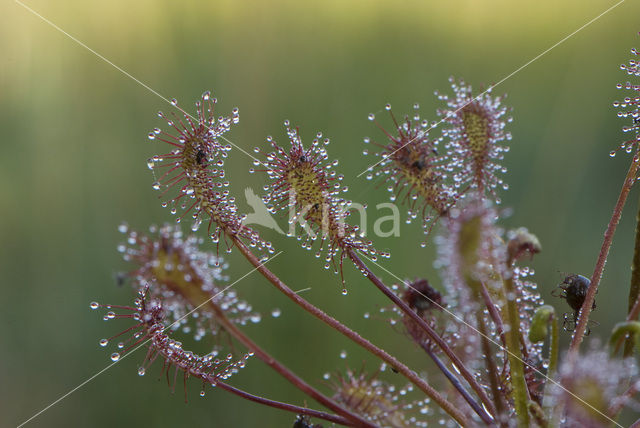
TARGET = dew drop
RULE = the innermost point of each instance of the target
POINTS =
(115, 356)
(276, 313)
(343, 354)
(371, 116)
(103, 342)
(94, 305)
(344, 291)
(141, 371)
(156, 186)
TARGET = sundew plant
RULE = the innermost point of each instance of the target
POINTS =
(491, 345)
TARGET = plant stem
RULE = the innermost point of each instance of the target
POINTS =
(519, 391)
(494, 313)
(547, 398)
(447, 406)
(486, 418)
(282, 406)
(468, 376)
(492, 370)
(231, 328)
(634, 289)
(583, 318)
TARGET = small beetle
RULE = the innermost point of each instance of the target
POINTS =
(303, 421)
(574, 290)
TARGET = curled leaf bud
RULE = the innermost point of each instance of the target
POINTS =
(539, 329)
(626, 329)
(522, 242)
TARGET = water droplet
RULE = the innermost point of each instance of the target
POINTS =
(371, 116)
(343, 354)
(94, 305)
(115, 356)
(141, 371)
(202, 393)
(344, 291)
(174, 102)
(103, 342)
(276, 313)
(156, 186)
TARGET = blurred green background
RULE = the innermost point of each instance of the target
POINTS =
(74, 149)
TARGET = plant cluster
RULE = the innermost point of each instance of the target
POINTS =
(493, 341)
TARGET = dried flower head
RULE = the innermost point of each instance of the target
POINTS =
(413, 169)
(185, 278)
(149, 328)
(376, 400)
(305, 184)
(592, 383)
(427, 302)
(474, 133)
(195, 168)
(631, 104)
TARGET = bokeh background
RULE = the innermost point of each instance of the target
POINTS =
(74, 150)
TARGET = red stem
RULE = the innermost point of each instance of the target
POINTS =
(583, 318)
(282, 406)
(426, 327)
(355, 420)
(447, 406)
